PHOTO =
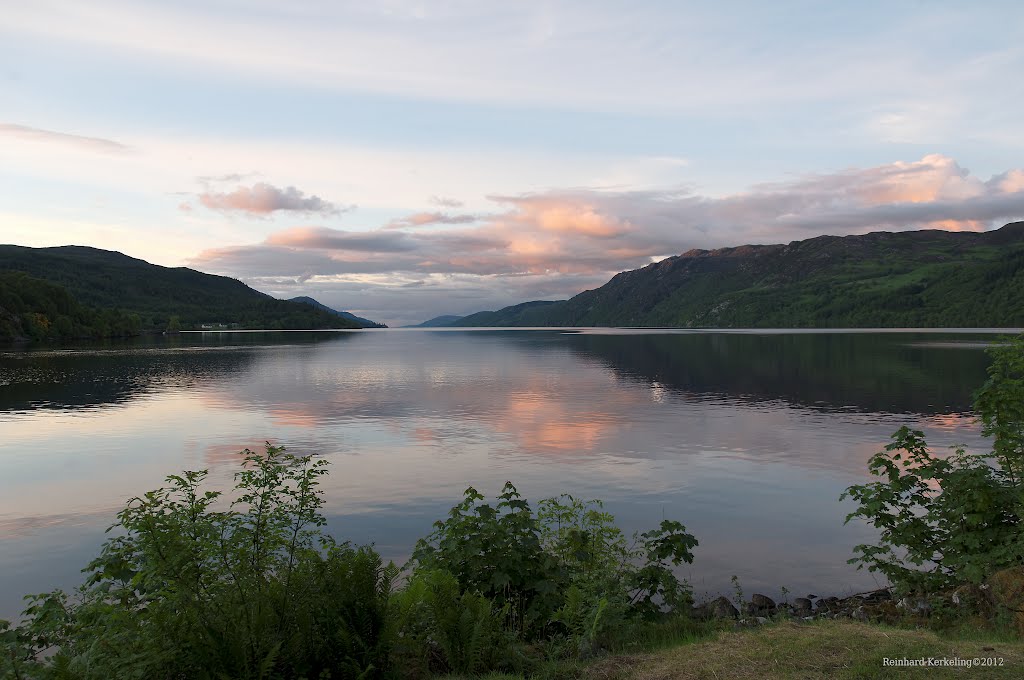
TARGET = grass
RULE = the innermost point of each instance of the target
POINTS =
(827, 649)
(824, 649)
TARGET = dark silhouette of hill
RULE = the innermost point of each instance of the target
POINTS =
(437, 322)
(365, 323)
(107, 280)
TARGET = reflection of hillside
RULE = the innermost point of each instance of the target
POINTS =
(115, 373)
(871, 373)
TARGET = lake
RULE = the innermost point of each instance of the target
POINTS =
(748, 438)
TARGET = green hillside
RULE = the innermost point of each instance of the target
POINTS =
(437, 322)
(364, 323)
(524, 314)
(907, 279)
(107, 280)
(33, 309)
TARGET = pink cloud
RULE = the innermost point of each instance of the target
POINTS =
(421, 219)
(563, 214)
(82, 142)
(263, 199)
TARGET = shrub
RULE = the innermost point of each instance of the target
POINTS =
(438, 628)
(947, 521)
(612, 581)
(189, 591)
(566, 572)
(194, 584)
(496, 551)
(943, 521)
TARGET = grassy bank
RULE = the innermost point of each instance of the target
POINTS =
(824, 649)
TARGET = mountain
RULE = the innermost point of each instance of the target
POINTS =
(524, 314)
(365, 323)
(107, 280)
(928, 278)
(437, 322)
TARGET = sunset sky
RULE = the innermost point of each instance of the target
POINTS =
(404, 159)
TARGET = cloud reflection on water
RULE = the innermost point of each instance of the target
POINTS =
(748, 441)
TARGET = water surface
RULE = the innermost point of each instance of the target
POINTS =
(747, 438)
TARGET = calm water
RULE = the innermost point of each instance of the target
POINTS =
(747, 438)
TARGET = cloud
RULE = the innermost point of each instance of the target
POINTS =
(556, 243)
(229, 177)
(587, 55)
(97, 144)
(446, 202)
(422, 219)
(263, 199)
(322, 238)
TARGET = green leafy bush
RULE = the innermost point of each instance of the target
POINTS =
(943, 521)
(496, 551)
(563, 573)
(186, 590)
(199, 584)
(612, 581)
(439, 628)
(950, 520)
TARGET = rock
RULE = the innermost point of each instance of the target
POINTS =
(761, 620)
(721, 608)
(827, 603)
(880, 595)
(762, 602)
(802, 604)
(700, 612)
(859, 614)
(915, 605)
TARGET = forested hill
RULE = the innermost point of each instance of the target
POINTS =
(365, 323)
(106, 280)
(921, 279)
(437, 322)
(33, 309)
(516, 315)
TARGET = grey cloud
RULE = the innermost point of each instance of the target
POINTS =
(263, 199)
(230, 177)
(459, 294)
(445, 202)
(322, 238)
(984, 209)
(426, 218)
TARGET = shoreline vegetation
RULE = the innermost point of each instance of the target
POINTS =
(195, 583)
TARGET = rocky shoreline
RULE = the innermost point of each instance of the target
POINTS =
(882, 605)
(1000, 596)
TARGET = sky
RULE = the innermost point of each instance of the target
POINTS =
(405, 159)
